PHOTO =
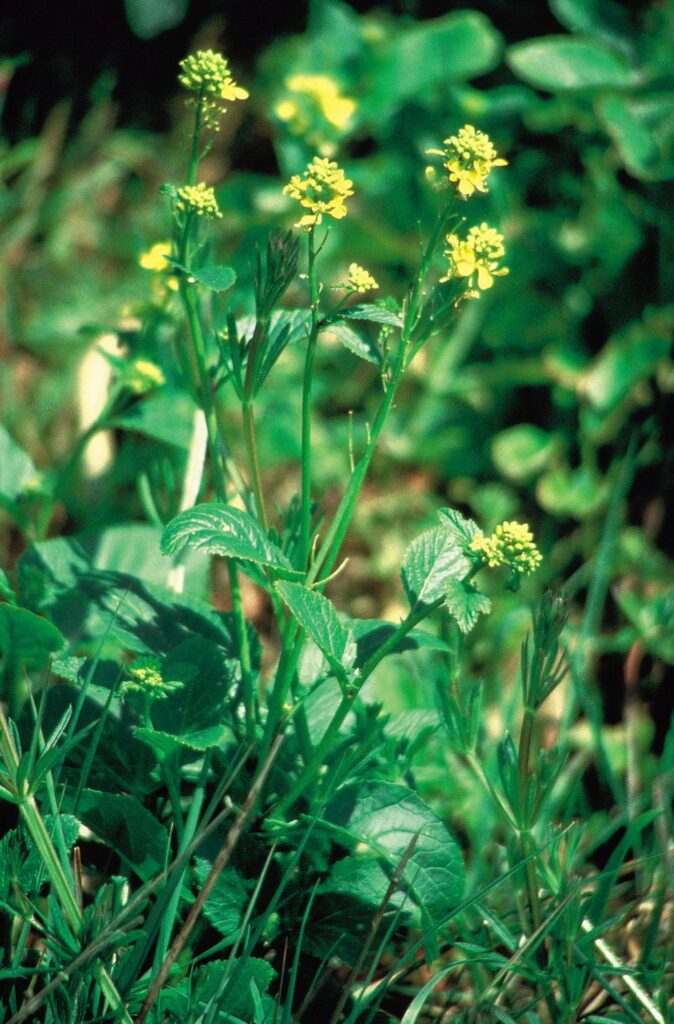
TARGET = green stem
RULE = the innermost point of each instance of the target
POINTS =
(247, 678)
(305, 505)
(196, 134)
(417, 615)
(523, 822)
(253, 461)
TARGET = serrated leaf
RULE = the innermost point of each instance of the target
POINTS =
(381, 818)
(563, 63)
(465, 604)
(227, 900)
(235, 1003)
(431, 560)
(364, 348)
(220, 529)
(217, 278)
(318, 618)
(461, 528)
(369, 311)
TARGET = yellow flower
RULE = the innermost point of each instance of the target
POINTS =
(198, 199)
(511, 544)
(316, 111)
(154, 259)
(147, 680)
(360, 280)
(469, 157)
(476, 257)
(321, 189)
(207, 74)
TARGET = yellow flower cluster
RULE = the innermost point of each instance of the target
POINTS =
(147, 680)
(315, 110)
(476, 257)
(468, 158)
(321, 189)
(198, 199)
(512, 545)
(360, 280)
(207, 74)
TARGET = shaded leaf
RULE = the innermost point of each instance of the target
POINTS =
(225, 906)
(122, 823)
(364, 348)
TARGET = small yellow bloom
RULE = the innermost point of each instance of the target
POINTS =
(142, 375)
(315, 110)
(207, 74)
(198, 199)
(468, 158)
(360, 280)
(154, 259)
(476, 257)
(321, 189)
(147, 680)
(511, 544)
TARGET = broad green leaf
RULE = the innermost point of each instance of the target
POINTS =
(452, 48)
(632, 136)
(600, 18)
(225, 906)
(26, 640)
(32, 872)
(375, 314)
(218, 279)
(220, 529)
(167, 744)
(461, 529)
(122, 823)
(378, 820)
(431, 560)
(563, 63)
(166, 416)
(364, 348)
(567, 492)
(147, 18)
(318, 618)
(627, 359)
(17, 471)
(371, 634)
(232, 1004)
(465, 604)
(6, 588)
(523, 451)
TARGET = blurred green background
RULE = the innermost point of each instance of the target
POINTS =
(546, 403)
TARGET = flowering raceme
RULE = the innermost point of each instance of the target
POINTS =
(468, 158)
(360, 280)
(476, 257)
(321, 189)
(198, 199)
(207, 74)
(512, 545)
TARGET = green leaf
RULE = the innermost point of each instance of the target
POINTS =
(566, 492)
(364, 348)
(318, 618)
(380, 819)
(628, 359)
(522, 452)
(128, 828)
(371, 634)
(567, 63)
(234, 1004)
(17, 471)
(225, 906)
(220, 529)
(465, 604)
(601, 18)
(6, 588)
(369, 311)
(653, 619)
(633, 138)
(26, 640)
(166, 416)
(32, 872)
(217, 278)
(462, 529)
(431, 560)
(445, 50)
